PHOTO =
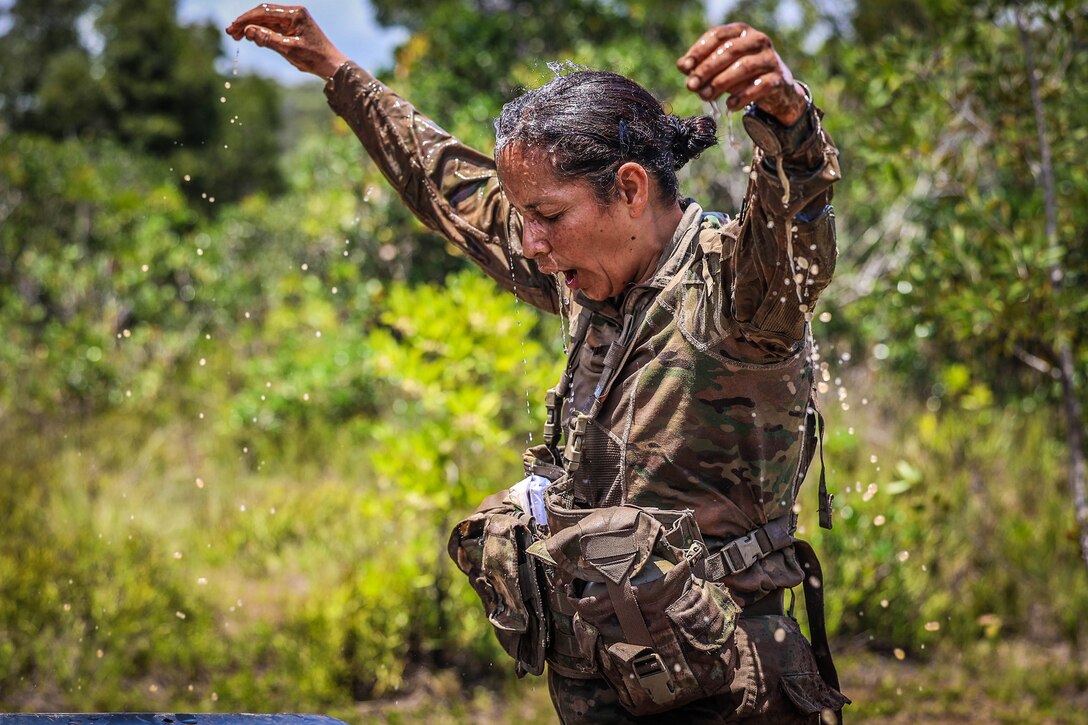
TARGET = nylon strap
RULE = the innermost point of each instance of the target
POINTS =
(814, 607)
(740, 553)
(826, 499)
(622, 597)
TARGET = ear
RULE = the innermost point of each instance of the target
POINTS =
(633, 183)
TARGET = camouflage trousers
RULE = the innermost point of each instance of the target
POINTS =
(776, 684)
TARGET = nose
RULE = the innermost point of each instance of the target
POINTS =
(533, 240)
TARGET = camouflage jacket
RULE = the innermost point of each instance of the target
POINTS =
(709, 412)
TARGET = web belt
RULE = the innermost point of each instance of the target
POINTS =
(742, 552)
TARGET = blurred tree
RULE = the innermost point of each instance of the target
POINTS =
(161, 75)
(40, 30)
(969, 271)
(152, 86)
(467, 57)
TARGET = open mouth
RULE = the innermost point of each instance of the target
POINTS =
(571, 278)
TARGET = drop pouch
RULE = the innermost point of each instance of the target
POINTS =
(490, 548)
(660, 635)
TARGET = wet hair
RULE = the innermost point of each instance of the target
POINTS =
(592, 122)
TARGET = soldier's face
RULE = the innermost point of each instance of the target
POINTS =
(599, 248)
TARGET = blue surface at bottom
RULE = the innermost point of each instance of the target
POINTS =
(162, 718)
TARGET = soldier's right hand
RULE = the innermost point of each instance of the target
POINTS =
(290, 31)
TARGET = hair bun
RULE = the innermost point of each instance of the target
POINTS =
(691, 136)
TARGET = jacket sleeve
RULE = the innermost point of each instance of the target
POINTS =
(452, 188)
(785, 249)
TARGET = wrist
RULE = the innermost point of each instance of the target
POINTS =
(801, 101)
(330, 65)
(773, 134)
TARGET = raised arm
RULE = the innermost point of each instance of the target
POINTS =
(450, 187)
(785, 252)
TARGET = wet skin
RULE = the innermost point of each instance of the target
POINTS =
(601, 247)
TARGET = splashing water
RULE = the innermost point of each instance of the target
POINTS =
(563, 67)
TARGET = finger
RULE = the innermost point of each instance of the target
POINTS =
(277, 17)
(739, 75)
(731, 53)
(268, 38)
(708, 42)
(763, 87)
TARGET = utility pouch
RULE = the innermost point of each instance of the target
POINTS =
(490, 547)
(661, 636)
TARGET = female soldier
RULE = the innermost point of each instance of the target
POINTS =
(688, 394)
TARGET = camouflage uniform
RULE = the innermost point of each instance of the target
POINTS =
(711, 411)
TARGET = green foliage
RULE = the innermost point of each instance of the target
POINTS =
(39, 30)
(956, 269)
(152, 86)
(935, 543)
(467, 59)
(90, 251)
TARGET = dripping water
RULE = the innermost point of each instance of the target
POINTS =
(731, 137)
(521, 336)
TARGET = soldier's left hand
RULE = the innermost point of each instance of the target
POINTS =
(739, 60)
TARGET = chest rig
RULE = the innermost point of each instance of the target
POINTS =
(589, 456)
